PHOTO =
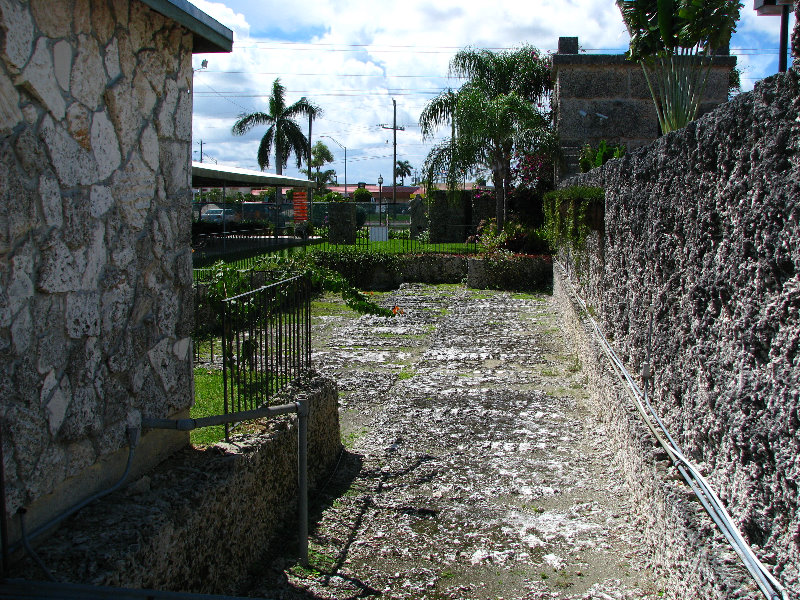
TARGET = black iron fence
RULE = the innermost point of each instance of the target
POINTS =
(266, 342)
(242, 246)
(374, 227)
(242, 249)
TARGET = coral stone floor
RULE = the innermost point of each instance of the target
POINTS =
(471, 467)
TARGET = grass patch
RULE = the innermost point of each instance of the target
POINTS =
(575, 365)
(526, 296)
(208, 401)
(404, 374)
(350, 438)
(325, 308)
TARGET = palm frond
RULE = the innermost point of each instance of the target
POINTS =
(247, 121)
(437, 112)
(264, 148)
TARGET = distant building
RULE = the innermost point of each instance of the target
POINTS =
(605, 97)
(404, 192)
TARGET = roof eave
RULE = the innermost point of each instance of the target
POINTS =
(209, 35)
(205, 175)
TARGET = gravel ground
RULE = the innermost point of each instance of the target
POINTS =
(471, 468)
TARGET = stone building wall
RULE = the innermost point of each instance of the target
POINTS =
(95, 263)
(605, 97)
(702, 232)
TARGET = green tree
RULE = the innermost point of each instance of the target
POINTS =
(283, 133)
(674, 41)
(402, 170)
(498, 112)
(439, 111)
(320, 156)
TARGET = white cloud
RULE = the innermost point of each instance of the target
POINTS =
(365, 53)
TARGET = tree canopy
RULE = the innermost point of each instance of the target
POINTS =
(402, 170)
(497, 113)
(320, 156)
(283, 133)
(661, 27)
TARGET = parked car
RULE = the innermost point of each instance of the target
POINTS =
(216, 215)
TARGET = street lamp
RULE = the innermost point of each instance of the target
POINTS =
(345, 160)
(782, 8)
(380, 199)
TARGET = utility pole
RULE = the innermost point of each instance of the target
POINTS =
(395, 128)
(201, 150)
(309, 188)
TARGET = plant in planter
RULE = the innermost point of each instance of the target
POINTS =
(673, 40)
(590, 157)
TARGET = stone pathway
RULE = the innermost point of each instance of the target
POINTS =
(471, 470)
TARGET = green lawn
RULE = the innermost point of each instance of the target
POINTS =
(208, 401)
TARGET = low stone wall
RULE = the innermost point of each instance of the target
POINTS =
(521, 273)
(433, 269)
(202, 517)
(702, 231)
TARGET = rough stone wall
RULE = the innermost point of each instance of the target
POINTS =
(703, 232)
(449, 216)
(95, 266)
(342, 223)
(796, 35)
(204, 517)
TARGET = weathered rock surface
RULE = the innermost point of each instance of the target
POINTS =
(472, 468)
(80, 261)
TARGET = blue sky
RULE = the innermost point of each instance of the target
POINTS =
(352, 57)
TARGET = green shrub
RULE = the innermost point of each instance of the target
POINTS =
(354, 265)
(362, 195)
(569, 214)
(333, 197)
(590, 157)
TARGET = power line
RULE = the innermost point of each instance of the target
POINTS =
(341, 93)
(337, 75)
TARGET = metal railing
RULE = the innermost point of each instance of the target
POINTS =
(243, 246)
(266, 343)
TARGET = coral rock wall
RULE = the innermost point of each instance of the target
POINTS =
(702, 231)
(95, 266)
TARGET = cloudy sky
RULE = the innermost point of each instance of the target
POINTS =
(353, 57)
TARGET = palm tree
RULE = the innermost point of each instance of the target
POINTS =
(436, 113)
(282, 132)
(498, 110)
(320, 155)
(402, 170)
